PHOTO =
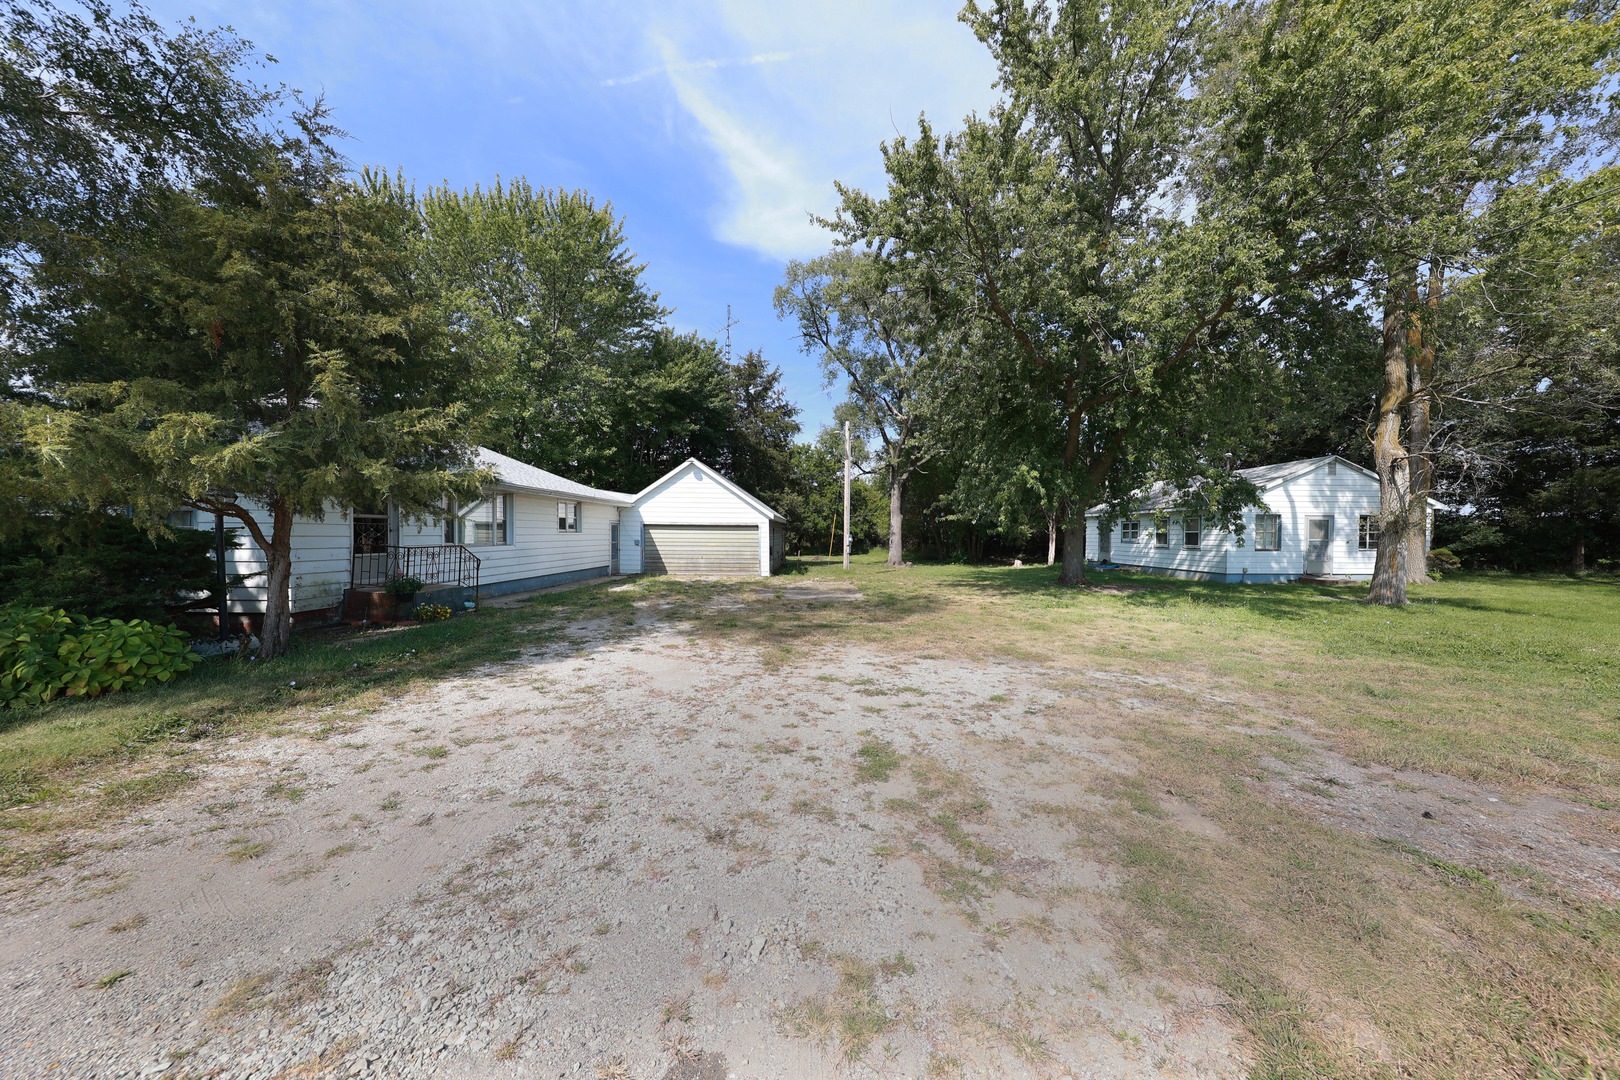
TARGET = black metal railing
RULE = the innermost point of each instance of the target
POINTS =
(447, 564)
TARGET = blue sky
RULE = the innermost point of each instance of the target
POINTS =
(714, 128)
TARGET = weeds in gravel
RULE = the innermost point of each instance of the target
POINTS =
(134, 922)
(851, 1017)
(245, 995)
(244, 848)
(877, 759)
(676, 1010)
(615, 1068)
(113, 978)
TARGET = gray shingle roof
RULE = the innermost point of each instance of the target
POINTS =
(511, 472)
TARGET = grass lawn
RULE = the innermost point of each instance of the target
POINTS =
(1338, 955)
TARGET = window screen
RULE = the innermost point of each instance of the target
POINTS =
(1267, 532)
(1367, 532)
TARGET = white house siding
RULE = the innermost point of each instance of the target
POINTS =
(1344, 497)
(320, 561)
(691, 498)
(540, 553)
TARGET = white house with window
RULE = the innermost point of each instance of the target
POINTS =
(531, 529)
(1317, 517)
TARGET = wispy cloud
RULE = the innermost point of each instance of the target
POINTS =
(768, 208)
(698, 65)
(825, 82)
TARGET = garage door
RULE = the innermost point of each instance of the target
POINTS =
(701, 549)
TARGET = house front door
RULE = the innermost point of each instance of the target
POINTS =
(613, 548)
(1318, 547)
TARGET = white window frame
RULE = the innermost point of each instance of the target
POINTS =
(1276, 532)
(1369, 530)
(1130, 531)
(570, 516)
(1161, 534)
(1192, 531)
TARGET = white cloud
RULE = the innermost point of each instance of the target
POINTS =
(696, 65)
(824, 83)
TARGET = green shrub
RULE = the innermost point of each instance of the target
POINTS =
(46, 653)
(403, 585)
(1442, 561)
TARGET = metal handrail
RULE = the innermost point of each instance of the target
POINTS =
(442, 564)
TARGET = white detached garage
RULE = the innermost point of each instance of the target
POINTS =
(695, 521)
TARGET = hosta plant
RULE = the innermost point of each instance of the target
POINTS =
(46, 653)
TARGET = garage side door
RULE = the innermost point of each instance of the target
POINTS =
(702, 549)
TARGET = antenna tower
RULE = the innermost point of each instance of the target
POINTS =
(730, 322)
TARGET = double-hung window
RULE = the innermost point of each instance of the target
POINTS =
(183, 519)
(1368, 528)
(1130, 531)
(1192, 529)
(1161, 534)
(1268, 532)
(570, 516)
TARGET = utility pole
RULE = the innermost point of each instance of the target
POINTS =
(846, 494)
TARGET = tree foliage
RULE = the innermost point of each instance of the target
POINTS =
(272, 347)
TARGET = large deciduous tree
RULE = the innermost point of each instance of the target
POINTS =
(541, 289)
(1091, 257)
(867, 329)
(1439, 112)
(271, 346)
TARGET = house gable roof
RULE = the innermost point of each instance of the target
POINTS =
(512, 473)
(1165, 496)
(714, 475)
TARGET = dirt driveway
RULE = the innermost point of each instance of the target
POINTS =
(640, 855)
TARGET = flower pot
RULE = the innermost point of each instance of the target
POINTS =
(404, 604)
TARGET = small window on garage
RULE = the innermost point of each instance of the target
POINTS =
(569, 516)
(1130, 531)
(1193, 531)
(1267, 532)
(1161, 534)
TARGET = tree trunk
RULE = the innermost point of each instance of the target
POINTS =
(1074, 550)
(1394, 482)
(1418, 433)
(897, 520)
(275, 635)
(1577, 555)
(1051, 538)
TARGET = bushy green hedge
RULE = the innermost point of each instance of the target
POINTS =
(46, 653)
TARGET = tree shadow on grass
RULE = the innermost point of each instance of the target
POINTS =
(1479, 593)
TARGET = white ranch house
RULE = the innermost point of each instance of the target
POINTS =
(531, 529)
(1317, 517)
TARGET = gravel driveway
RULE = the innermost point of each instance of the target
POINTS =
(639, 856)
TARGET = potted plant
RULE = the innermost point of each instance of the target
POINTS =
(403, 588)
